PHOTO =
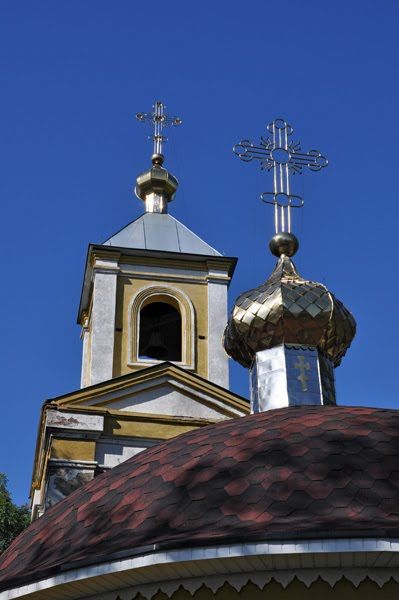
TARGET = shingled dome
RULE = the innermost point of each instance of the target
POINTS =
(295, 473)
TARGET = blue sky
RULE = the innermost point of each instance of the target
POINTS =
(73, 75)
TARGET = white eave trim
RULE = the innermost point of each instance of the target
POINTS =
(307, 560)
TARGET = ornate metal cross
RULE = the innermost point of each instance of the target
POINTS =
(159, 120)
(284, 156)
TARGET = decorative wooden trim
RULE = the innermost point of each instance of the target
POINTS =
(238, 564)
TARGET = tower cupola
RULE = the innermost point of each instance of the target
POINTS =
(156, 186)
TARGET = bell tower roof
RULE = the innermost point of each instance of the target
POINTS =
(154, 291)
(160, 231)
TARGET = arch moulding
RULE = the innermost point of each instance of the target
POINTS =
(179, 300)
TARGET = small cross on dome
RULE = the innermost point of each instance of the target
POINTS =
(159, 120)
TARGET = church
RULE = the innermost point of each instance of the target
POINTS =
(154, 480)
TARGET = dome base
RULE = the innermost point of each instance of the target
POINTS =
(288, 375)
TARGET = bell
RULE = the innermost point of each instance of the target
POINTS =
(155, 348)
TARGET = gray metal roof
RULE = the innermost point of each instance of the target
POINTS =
(157, 231)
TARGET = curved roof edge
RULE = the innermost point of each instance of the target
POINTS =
(259, 563)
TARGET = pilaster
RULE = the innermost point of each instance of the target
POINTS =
(218, 365)
(85, 337)
(105, 272)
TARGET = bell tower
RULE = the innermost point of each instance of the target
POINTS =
(153, 309)
(154, 291)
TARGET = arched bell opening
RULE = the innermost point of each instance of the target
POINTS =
(161, 327)
(160, 332)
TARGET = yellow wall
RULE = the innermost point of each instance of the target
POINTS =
(72, 449)
(115, 425)
(127, 287)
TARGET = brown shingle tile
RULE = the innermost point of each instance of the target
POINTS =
(296, 472)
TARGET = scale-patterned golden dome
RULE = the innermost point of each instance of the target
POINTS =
(288, 309)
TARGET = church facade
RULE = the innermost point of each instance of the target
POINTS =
(155, 481)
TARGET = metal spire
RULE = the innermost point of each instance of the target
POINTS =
(157, 186)
(159, 120)
(277, 152)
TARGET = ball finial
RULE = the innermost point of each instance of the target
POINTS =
(157, 159)
(284, 243)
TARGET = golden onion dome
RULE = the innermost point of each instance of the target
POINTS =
(288, 309)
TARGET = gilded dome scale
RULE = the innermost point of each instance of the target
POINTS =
(288, 309)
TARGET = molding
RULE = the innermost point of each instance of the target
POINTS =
(163, 262)
(151, 293)
(150, 257)
(74, 422)
(132, 275)
(155, 429)
(238, 564)
(163, 257)
(173, 271)
(167, 268)
(40, 454)
(100, 253)
(146, 377)
(133, 425)
(144, 417)
(197, 394)
(72, 463)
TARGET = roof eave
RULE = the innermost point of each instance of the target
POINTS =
(281, 560)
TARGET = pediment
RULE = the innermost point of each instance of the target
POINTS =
(162, 390)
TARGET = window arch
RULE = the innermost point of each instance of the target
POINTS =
(161, 327)
(160, 332)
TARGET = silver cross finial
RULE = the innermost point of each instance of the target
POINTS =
(284, 156)
(159, 120)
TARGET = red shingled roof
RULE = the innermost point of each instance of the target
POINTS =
(293, 473)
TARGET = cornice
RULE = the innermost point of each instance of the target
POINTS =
(101, 253)
(155, 258)
(148, 375)
(133, 416)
